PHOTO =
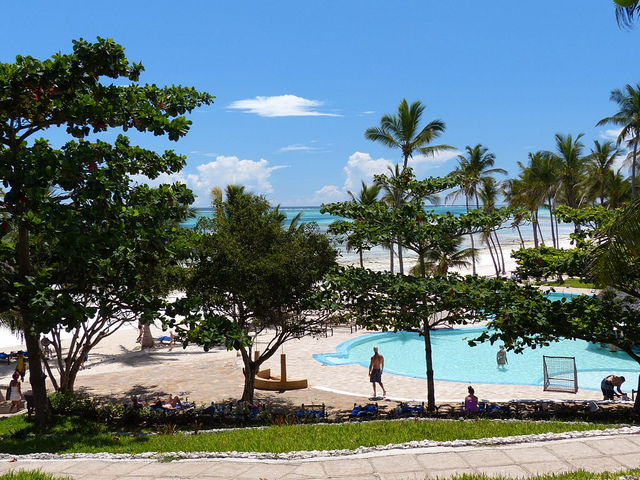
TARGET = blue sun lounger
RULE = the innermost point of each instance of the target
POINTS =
(368, 411)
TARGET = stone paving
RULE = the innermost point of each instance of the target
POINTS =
(594, 454)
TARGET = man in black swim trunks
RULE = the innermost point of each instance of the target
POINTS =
(375, 371)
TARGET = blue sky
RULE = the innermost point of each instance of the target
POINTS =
(298, 82)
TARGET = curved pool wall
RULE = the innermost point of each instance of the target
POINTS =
(454, 360)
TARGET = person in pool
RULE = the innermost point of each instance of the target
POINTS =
(607, 386)
(375, 371)
(501, 357)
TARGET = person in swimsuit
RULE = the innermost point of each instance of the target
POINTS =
(501, 357)
(376, 366)
(608, 384)
(471, 401)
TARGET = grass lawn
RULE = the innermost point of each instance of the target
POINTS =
(76, 435)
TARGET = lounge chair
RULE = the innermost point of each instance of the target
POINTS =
(368, 411)
(311, 412)
(409, 410)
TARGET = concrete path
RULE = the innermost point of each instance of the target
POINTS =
(596, 454)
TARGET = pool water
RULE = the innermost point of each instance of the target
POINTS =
(454, 360)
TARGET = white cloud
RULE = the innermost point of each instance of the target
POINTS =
(329, 194)
(223, 171)
(281, 106)
(298, 147)
(361, 166)
(611, 134)
(419, 162)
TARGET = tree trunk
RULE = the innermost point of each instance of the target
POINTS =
(400, 260)
(504, 266)
(494, 259)
(147, 338)
(31, 336)
(431, 388)
(37, 378)
(250, 371)
(633, 172)
(553, 231)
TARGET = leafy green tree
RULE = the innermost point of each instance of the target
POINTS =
(402, 131)
(83, 232)
(627, 117)
(249, 273)
(400, 302)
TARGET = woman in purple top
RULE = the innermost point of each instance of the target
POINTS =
(471, 401)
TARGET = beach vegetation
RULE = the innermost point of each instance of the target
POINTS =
(628, 115)
(80, 240)
(249, 273)
(473, 169)
(367, 195)
(403, 132)
(385, 301)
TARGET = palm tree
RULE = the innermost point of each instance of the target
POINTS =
(569, 155)
(402, 131)
(627, 12)
(525, 193)
(444, 256)
(545, 179)
(488, 193)
(368, 195)
(599, 164)
(618, 189)
(472, 170)
(628, 117)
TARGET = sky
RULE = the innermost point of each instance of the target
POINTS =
(297, 82)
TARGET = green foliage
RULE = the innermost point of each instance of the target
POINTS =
(544, 262)
(86, 240)
(250, 272)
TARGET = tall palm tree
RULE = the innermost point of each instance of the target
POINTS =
(599, 163)
(402, 131)
(627, 117)
(618, 189)
(544, 175)
(368, 195)
(573, 164)
(472, 169)
(488, 193)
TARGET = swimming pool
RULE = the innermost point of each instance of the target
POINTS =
(454, 360)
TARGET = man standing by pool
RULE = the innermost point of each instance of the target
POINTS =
(375, 371)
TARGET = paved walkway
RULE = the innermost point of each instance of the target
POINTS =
(596, 454)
